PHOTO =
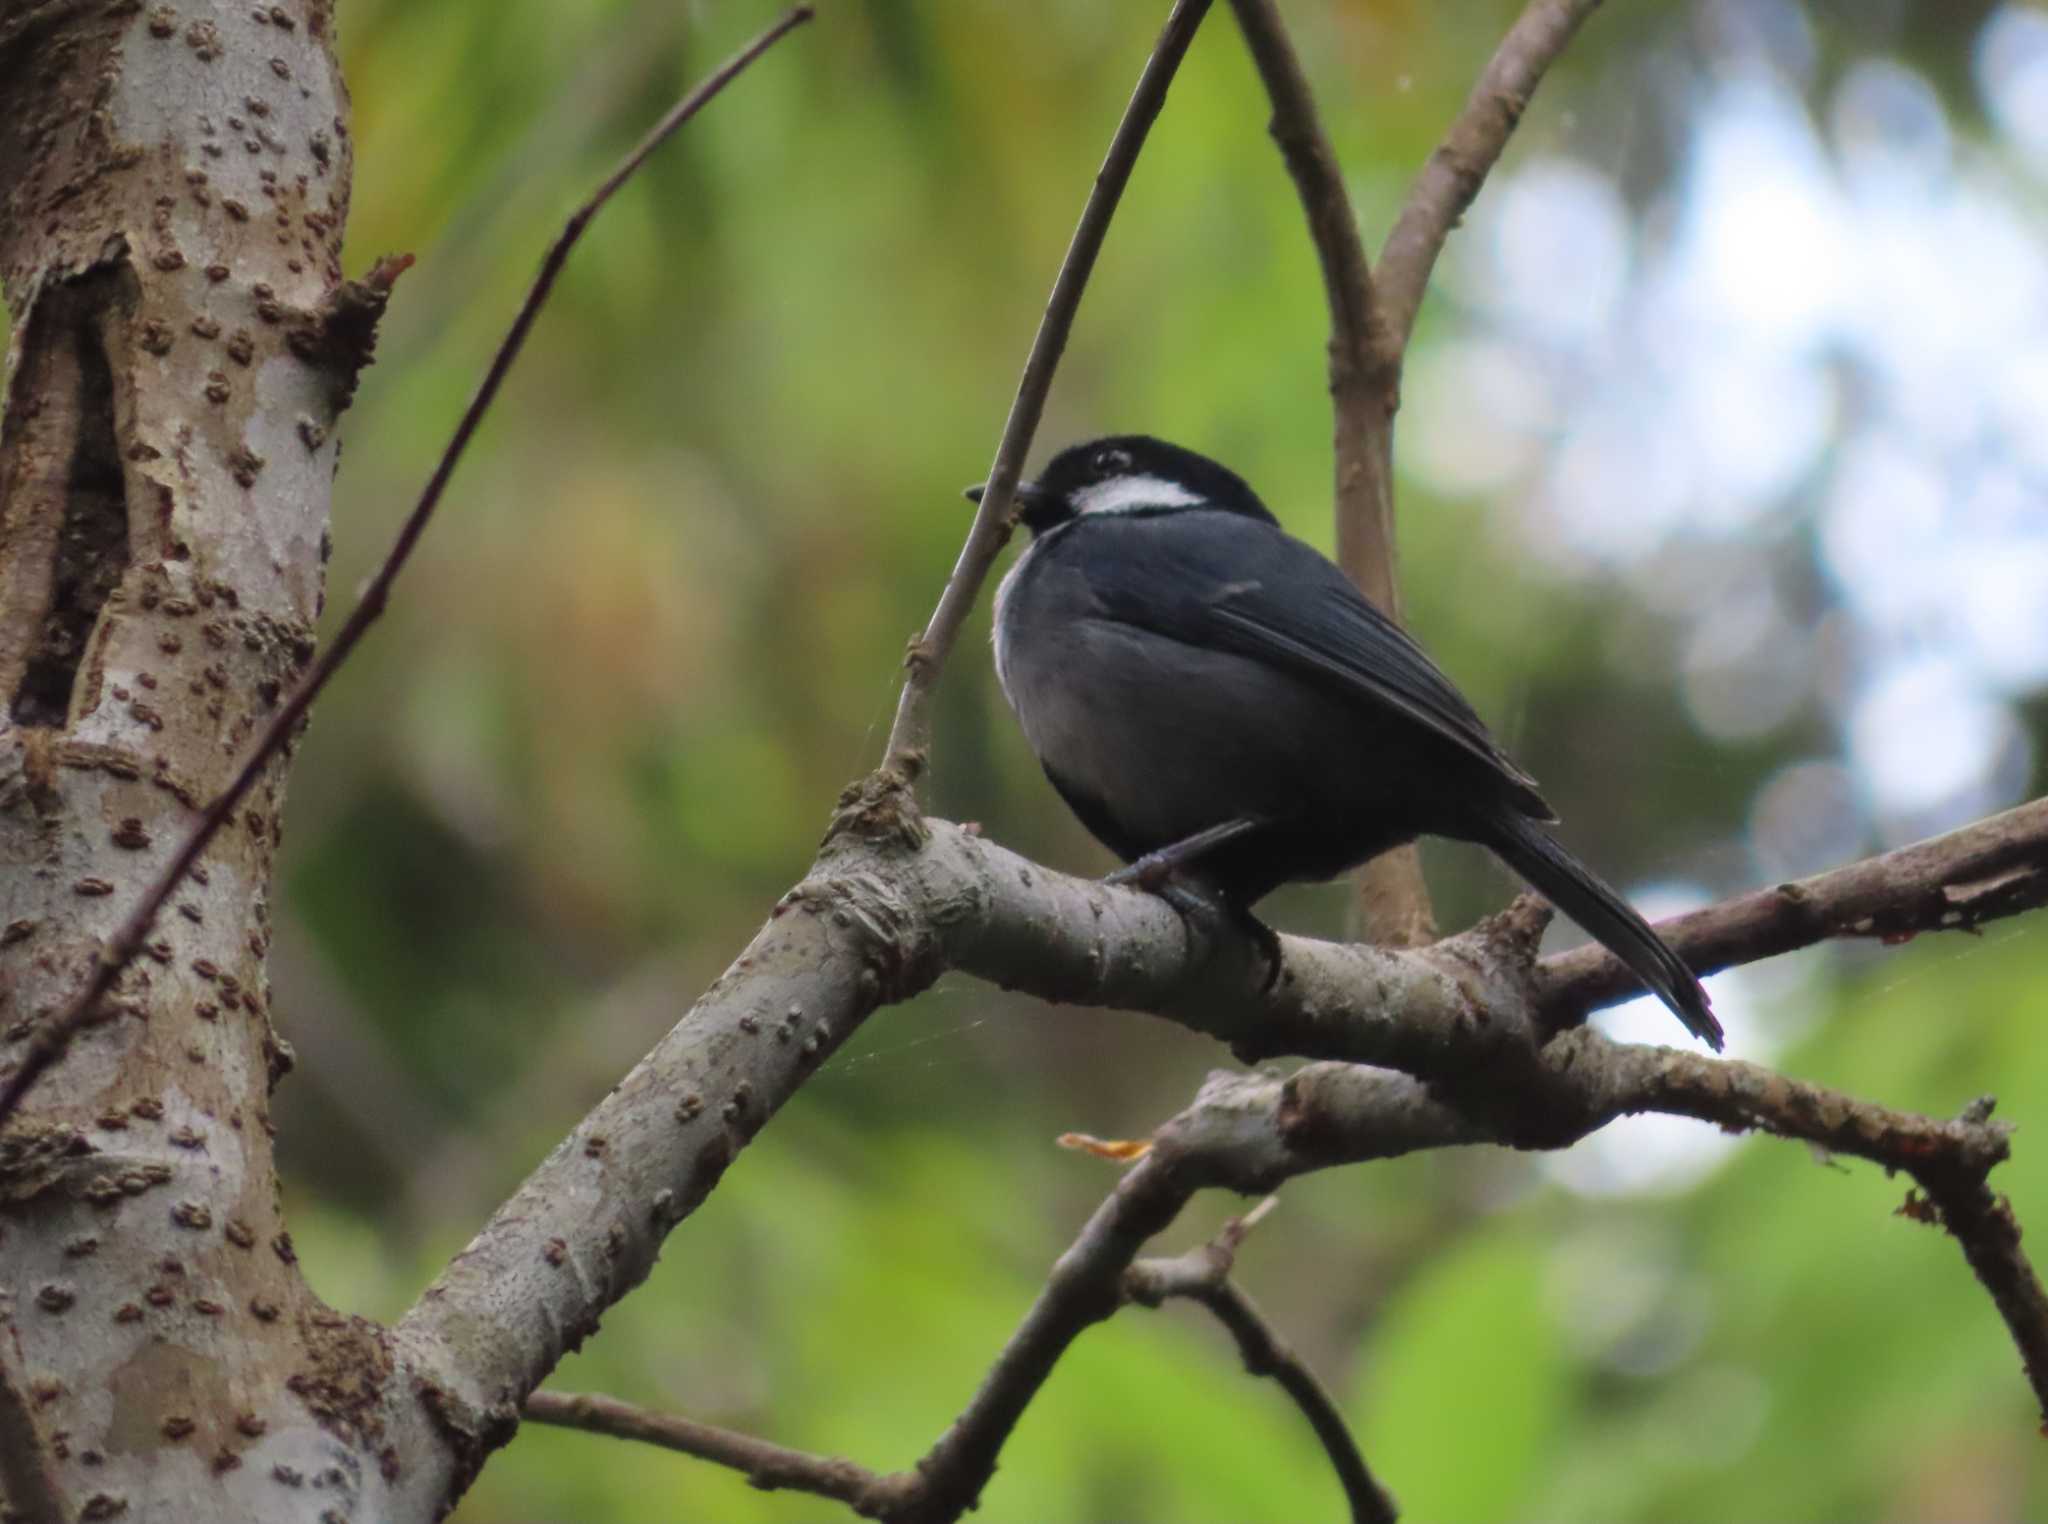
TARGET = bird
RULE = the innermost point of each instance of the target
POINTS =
(1220, 707)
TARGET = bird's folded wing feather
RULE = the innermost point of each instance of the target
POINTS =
(1247, 587)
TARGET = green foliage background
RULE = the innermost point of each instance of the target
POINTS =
(657, 628)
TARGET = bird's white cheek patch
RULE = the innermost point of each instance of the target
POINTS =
(1121, 494)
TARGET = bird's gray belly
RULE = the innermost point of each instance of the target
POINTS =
(1173, 738)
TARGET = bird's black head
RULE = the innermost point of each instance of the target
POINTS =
(1130, 473)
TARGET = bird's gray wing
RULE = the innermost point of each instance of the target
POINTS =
(1245, 586)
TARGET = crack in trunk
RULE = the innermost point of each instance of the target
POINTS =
(82, 538)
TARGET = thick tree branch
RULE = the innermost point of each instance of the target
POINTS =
(1250, 1133)
(1459, 166)
(586, 1226)
(910, 736)
(1437, 1010)
(1364, 371)
(351, 320)
(772, 1468)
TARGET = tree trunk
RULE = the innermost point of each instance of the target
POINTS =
(176, 181)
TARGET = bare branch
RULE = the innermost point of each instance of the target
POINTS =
(1439, 1010)
(910, 736)
(1266, 1354)
(1365, 365)
(1364, 422)
(586, 1226)
(1086, 1286)
(360, 302)
(770, 1467)
(1252, 1132)
(1990, 1237)
(946, 1483)
(1983, 872)
(1203, 1275)
(1462, 161)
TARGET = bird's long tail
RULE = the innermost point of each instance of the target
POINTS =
(1570, 885)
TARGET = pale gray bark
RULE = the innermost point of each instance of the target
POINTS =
(176, 181)
(1455, 1032)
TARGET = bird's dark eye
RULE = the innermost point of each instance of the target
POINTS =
(1109, 462)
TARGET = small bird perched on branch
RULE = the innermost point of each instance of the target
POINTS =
(1220, 706)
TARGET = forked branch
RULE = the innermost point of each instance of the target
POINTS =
(1459, 166)
(1203, 1275)
(940, 1487)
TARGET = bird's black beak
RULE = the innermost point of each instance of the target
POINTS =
(1029, 494)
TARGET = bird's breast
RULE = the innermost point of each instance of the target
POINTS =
(999, 634)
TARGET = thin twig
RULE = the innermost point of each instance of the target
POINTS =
(1983, 1223)
(54, 1037)
(769, 1467)
(1266, 1354)
(910, 736)
(1203, 1275)
(1462, 161)
(1085, 1286)
(1364, 369)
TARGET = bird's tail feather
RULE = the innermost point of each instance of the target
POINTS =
(1570, 885)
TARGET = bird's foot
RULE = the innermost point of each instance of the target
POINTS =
(1150, 873)
(1263, 937)
(1205, 915)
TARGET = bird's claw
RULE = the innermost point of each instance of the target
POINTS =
(1266, 939)
(1203, 915)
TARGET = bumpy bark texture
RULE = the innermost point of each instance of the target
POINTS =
(175, 181)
